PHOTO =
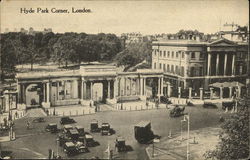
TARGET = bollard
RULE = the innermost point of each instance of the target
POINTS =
(170, 134)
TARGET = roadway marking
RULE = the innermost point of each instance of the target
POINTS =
(38, 154)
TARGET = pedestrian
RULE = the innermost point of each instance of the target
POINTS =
(28, 125)
(16, 115)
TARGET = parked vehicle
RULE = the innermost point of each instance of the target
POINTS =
(89, 140)
(80, 129)
(52, 127)
(105, 129)
(143, 132)
(70, 149)
(62, 139)
(177, 111)
(120, 144)
(209, 105)
(94, 126)
(73, 134)
(81, 148)
(66, 128)
(67, 120)
(228, 105)
(39, 120)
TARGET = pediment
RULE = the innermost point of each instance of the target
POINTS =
(222, 42)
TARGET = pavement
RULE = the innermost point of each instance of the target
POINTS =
(175, 148)
(37, 141)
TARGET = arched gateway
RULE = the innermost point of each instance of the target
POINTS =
(90, 83)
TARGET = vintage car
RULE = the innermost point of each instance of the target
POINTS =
(105, 129)
(209, 105)
(228, 105)
(81, 148)
(66, 128)
(52, 127)
(143, 132)
(39, 120)
(80, 129)
(177, 111)
(94, 126)
(120, 144)
(73, 134)
(67, 120)
(70, 149)
(89, 140)
(62, 139)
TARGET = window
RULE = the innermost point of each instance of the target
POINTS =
(201, 55)
(172, 54)
(192, 71)
(154, 65)
(172, 68)
(164, 53)
(155, 53)
(193, 55)
(164, 67)
(168, 54)
(177, 54)
(201, 71)
(176, 70)
(168, 68)
(160, 54)
(182, 71)
(160, 65)
(183, 55)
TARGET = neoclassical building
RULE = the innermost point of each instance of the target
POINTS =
(89, 83)
(197, 64)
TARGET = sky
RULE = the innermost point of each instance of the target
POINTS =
(125, 16)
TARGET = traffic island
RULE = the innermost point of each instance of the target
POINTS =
(176, 148)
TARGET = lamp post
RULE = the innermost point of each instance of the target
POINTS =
(187, 118)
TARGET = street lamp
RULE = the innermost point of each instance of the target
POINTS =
(187, 118)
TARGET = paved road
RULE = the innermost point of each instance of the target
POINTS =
(38, 141)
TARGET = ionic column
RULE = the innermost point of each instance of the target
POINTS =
(208, 64)
(179, 92)
(82, 85)
(217, 64)
(64, 82)
(161, 85)
(233, 61)
(144, 86)
(84, 89)
(190, 93)
(201, 93)
(225, 64)
(125, 86)
(141, 86)
(169, 90)
(57, 90)
(211, 93)
(230, 91)
(108, 89)
(44, 92)
(221, 92)
(115, 88)
(130, 87)
(91, 90)
(48, 92)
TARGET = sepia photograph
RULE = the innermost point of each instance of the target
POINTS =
(124, 79)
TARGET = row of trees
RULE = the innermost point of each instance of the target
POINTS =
(20, 48)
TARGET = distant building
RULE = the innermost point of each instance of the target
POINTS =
(197, 64)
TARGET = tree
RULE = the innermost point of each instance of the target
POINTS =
(234, 139)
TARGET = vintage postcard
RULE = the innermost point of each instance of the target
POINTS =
(142, 79)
